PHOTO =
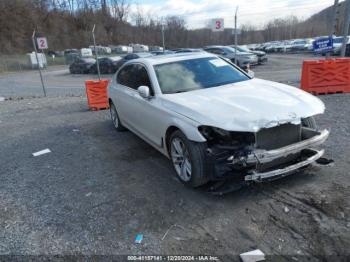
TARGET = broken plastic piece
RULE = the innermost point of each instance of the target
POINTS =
(138, 238)
(42, 152)
(253, 256)
(324, 161)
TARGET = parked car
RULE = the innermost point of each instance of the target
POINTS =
(244, 59)
(188, 50)
(132, 57)
(81, 65)
(337, 44)
(166, 52)
(213, 121)
(55, 53)
(270, 46)
(262, 57)
(71, 51)
(301, 45)
(107, 65)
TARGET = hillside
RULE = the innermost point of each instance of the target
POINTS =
(69, 26)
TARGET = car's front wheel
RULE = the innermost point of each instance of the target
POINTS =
(188, 159)
(115, 118)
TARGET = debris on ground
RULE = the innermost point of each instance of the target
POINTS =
(253, 256)
(175, 225)
(76, 130)
(138, 238)
(42, 152)
(286, 210)
(88, 194)
(325, 162)
(2, 99)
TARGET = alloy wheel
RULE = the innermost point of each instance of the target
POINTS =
(181, 159)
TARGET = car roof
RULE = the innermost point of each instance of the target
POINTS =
(168, 58)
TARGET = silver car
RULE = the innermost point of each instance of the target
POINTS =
(214, 121)
(244, 59)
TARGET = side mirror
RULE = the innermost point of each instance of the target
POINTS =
(144, 91)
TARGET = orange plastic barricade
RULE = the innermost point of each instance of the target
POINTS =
(329, 76)
(96, 92)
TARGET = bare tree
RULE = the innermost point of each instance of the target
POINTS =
(120, 9)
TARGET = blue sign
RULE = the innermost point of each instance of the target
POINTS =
(324, 44)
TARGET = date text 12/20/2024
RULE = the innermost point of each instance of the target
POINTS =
(173, 258)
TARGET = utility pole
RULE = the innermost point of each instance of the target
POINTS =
(37, 60)
(236, 35)
(334, 22)
(346, 27)
(163, 39)
(96, 55)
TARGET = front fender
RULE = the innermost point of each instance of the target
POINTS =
(189, 129)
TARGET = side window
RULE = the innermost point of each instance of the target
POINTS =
(142, 78)
(218, 51)
(134, 76)
(125, 75)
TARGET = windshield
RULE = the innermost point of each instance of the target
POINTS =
(243, 49)
(228, 50)
(194, 74)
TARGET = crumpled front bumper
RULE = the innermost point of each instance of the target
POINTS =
(277, 173)
(259, 156)
(265, 156)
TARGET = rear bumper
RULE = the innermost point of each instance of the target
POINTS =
(278, 173)
(262, 59)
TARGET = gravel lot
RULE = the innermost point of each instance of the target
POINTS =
(98, 188)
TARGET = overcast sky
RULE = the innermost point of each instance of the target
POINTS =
(255, 12)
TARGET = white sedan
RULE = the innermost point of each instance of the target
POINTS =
(213, 120)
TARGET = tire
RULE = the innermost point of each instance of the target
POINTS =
(309, 122)
(188, 159)
(115, 118)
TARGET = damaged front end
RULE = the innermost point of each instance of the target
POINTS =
(267, 154)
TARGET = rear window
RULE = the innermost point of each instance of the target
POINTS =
(194, 74)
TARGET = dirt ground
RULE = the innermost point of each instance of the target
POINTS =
(98, 189)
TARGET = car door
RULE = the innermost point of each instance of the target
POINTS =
(147, 113)
(122, 93)
(142, 115)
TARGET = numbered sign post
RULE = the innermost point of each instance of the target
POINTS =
(42, 43)
(37, 59)
(217, 25)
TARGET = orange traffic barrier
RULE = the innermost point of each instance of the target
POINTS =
(96, 92)
(328, 76)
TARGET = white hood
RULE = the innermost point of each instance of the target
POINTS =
(245, 106)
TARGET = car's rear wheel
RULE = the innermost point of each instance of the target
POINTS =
(188, 160)
(115, 118)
